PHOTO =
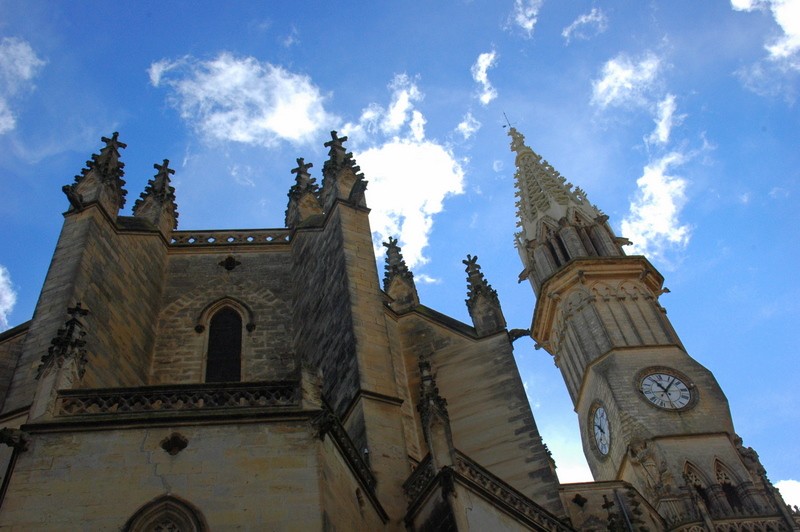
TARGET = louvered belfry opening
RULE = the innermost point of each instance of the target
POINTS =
(224, 361)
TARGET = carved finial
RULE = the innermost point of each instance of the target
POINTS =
(429, 398)
(101, 179)
(336, 144)
(161, 181)
(303, 196)
(398, 281)
(302, 171)
(434, 417)
(159, 197)
(67, 344)
(482, 301)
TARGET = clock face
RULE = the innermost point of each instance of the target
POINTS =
(666, 391)
(602, 431)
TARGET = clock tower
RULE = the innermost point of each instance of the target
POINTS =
(649, 414)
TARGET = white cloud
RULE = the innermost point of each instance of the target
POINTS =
(778, 192)
(786, 47)
(409, 175)
(586, 26)
(242, 175)
(468, 126)
(652, 223)
(240, 99)
(666, 119)
(19, 64)
(8, 297)
(775, 75)
(625, 81)
(479, 71)
(790, 490)
(525, 15)
(497, 165)
(744, 198)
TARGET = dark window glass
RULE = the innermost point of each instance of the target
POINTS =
(224, 362)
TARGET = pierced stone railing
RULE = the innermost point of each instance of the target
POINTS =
(419, 479)
(234, 237)
(425, 474)
(179, 398)
(516, 500)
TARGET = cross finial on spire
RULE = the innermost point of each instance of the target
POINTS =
(302, 168)
(114, 142)
(336, 141)
(163, 169)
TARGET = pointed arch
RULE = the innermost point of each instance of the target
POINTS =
(209, 310)
(730, 485)
(166, 512)
(224, 351)
(696, 480)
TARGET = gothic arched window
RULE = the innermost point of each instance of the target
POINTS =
(166, 514)
(726, 480)
(224, 359)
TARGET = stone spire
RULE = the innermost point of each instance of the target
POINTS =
(341, 176)
(101, 181)
(557, 223)
(303, 197)
(482, 302)
(157, 203)
(434, 417)
(398, 281)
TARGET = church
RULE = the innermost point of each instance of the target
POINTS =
(268, 379)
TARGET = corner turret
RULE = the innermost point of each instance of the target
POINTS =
(157, 203)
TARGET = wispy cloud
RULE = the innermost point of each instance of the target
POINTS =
(240, 99)
(665, 120)
(586, 26)
(790, 490)
(8, 297)
(468, 126)
(525, 15)
(19, 64)
(653, 223)
(479, 71)
(775, 75)
(626, 81)
(409, 175)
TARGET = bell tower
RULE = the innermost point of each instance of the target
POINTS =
(649, 414)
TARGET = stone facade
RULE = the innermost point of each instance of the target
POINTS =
(353, 406)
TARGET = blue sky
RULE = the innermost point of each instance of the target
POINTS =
(680, 120)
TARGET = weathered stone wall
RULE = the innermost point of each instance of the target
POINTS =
(322, 311)
(117, 275)
(261, 284)
(489, 412)
(11, 343)
(346, 504)
(255, 476)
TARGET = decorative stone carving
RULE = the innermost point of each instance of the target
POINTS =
(304, 201)
(230, 263)
(68, 344)
(398, 281)
(15, 438)
(101, 179)
(174, 443)
(157, 202)
(482, 301)
(656, 478)
(341, 176)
